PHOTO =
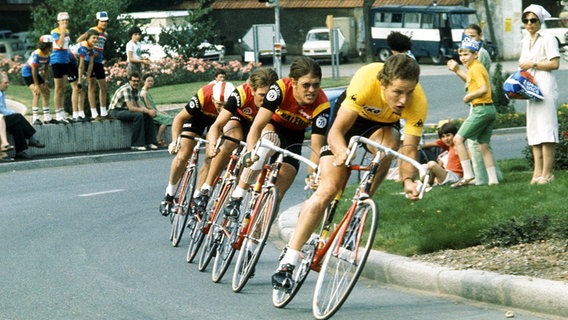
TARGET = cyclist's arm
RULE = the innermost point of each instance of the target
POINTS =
(336, 136)
(407, 172)
(216, 129)
(177, 124)
(261, 119)
(317, 141)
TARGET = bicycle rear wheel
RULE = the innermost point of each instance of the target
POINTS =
(345, 259)
(197, 227)
(183, 211)
(261, 220)
(280, 298)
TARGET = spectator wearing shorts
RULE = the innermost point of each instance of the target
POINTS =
(59, 61)
(39, 59)
(77, 55)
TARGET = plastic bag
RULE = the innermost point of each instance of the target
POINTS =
(521, 85)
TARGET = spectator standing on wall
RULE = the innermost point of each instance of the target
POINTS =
(98, 75)
(39, 59)
(59, 61)
(78, 53)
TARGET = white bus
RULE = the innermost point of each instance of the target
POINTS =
(435, 31)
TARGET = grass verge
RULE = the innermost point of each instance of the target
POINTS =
(455, 218)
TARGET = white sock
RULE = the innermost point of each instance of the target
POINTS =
(205, 186)
(492, 175)
(94, 112)
(290, 257)
(467, 169)
(251, 246)
(104, 112)
(75, 114)
(82, 114)
(239, 192)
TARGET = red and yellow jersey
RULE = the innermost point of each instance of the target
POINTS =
(366, 97)
(289, 114)
(203, 102)
(241, 102)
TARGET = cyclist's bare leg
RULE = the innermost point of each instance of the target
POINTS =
(311, 213)
(180, 161)
(388, 137)
(285, 179)
(232, 129)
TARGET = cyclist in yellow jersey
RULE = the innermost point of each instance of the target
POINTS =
(378, 96)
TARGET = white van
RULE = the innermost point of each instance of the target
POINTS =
(435, 31)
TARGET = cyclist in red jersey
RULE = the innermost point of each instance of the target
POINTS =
(234, 120)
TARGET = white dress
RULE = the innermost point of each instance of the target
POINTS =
(542, 117)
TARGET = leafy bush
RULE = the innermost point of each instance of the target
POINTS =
(502, 104)
(513, 232)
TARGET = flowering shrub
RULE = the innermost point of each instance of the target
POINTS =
(174, 70)
(12, 69)
(178, 70)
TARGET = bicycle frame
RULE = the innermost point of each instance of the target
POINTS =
(191, 165)
(362, 193)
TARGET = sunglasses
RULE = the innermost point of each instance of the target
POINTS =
(307, 85)
(532, 21)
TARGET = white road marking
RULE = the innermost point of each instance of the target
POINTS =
(99, 193)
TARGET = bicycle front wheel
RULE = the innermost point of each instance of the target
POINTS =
(261, 220)
(280, 298)
(345, 259)
(183, 211)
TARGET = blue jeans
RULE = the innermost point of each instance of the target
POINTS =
(143, 129)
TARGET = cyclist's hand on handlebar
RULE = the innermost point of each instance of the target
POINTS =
(212, 151)
(339, 159)
(248, 160)
(411, 189)
(311, 182)
(173, 147)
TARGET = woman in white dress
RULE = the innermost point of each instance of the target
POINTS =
(540, 55)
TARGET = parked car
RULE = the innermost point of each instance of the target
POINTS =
(557, 28)
(12, 49)
(318, 45)
(5, 34)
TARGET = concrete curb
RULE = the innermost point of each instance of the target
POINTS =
(538, 295)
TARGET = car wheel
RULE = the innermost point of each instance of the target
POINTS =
(384, 54)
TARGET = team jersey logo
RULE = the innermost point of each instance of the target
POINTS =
(247, 110)
(271, 95)
(193, 104)
(321, 122)
(372, 110)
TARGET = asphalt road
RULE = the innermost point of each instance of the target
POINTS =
(87, 242)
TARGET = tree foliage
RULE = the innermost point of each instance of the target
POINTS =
(185, 38)
(82, 17)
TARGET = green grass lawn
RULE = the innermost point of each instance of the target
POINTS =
(449, 218)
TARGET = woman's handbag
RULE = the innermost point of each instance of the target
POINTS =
(521, 85)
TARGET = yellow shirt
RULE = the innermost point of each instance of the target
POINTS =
(477, 76)
(366, 97)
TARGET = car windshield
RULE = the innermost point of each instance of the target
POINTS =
(318, 36)
(553, 24)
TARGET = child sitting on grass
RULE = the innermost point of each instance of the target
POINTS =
(447, 168)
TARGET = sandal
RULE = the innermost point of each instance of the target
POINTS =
(462, 183)
(7, 147)
(6, 159)
(544, 180)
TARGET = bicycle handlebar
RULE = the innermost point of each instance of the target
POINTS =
(178, 141)
(268, 144)
(423, 173)
(224, 137)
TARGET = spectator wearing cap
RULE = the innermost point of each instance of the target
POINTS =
(125, 106)
(17, 125)
(38, 60)
(197, 115)
(134, 52)
(59, 60)
(98, 74)
(478, 126)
